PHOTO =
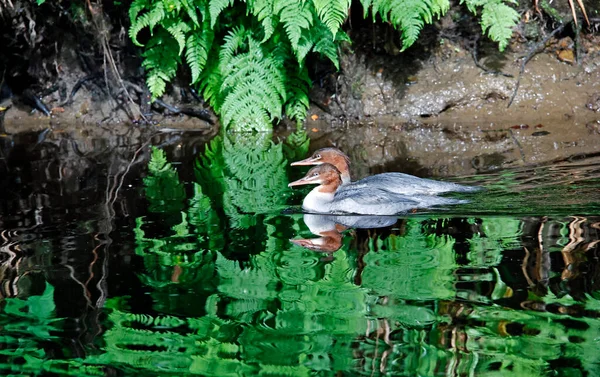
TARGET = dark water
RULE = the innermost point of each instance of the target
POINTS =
(114, 265)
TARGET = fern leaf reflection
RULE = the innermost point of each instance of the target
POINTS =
(415, 266)
(27, 327)
(163, 189)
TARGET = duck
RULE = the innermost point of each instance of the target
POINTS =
(398, 183)
(362, 200)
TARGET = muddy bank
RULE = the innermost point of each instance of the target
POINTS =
(447, 85)
(439, 114)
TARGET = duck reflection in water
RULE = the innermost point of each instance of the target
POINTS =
(330, 228)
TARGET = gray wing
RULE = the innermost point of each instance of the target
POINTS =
(372, 201)
(371, 196)
(407, 184)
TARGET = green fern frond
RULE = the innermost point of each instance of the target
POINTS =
(407, 15)
(198, 44)
(158, 161)
(234, 40)
(472, 5)
(210, 81)
(332, 12)
(298, 84)
(190, 9)
(149, 20)
(121, 318)
(305, 45)
(499, 20)
(161, 61)
(136, 7)
(215, 8)
(162, 186)
(177, 29)
(326, 44)
(253, 86)
(295, 16)
(440, 7)
(263, 10)
(411, 18)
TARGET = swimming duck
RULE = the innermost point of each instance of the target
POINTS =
(364, 200)
(399, 183)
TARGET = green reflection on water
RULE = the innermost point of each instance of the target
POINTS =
(231, 296)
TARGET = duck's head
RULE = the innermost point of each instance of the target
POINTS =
(331, 156)
(325, 175)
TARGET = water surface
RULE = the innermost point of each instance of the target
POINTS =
(119, 260)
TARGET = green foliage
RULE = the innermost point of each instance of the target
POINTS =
(246, 173)
(407, 15)
(296, 145)
(26, 325)
(164, 191)
(248, 57)
(415, 266)
(497, 18)
(249, 66)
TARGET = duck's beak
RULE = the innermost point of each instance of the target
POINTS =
(304, 181)
(304, 242)
(307, 161)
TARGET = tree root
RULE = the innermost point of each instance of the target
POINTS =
(78, 86)
(190, 111)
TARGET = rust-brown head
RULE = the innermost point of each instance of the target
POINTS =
(331, 156)
(325, 175)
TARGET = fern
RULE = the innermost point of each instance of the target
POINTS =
(164, 191)
(215, 8)
(190, 9)
(408, 15)
(296, 16)
(263, 10)
(177, 29)
(249, 63)
(252, 91)
(197, 47)
(332, 12)
(136, 7)
(161, 60)
(440, 7)
(497, 19)
(298, 83)
(149, 20)
(326, 44)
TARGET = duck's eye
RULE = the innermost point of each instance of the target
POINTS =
(318, 156)
(315, 174)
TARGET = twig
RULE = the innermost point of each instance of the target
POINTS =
(135, 154)
(578, 52)
(512, 134)
(530, 55)
(481, 66)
